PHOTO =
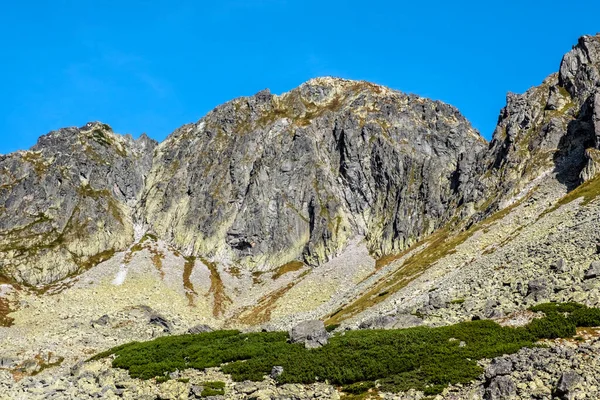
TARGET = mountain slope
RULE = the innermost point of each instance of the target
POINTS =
(66, 202)
(266, 180)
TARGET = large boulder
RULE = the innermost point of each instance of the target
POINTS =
(498, 366)
(538, 289)
(567, 384)
(312, 333)
(593, 270)
(500, 388)
(160, 321)
(201, 328)
(378, 322)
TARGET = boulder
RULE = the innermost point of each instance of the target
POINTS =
(159, 320)
(567, 384)
(498, 366)
(311, 333)
(489, 310)
(8, 362)
(246, 387)
(537, 289)
(102, 321)
(501, 387)
(378, 322)
(559, 266)
(402, 321)
(436, 300)
(593, 270)
(196, 392)
(276, 371)
(201, 328)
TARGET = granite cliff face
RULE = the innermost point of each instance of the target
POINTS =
(260, 182)
(550, 129)
(65, 205)
(265, 180)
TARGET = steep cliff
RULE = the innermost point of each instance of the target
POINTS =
(550, 129)
(65, 204)
(268, 179)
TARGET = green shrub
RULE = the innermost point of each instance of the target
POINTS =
(213, 389)
(358, 387)
(585, 317)
(422, 358)
(332, 327)
(577, 314)
(553, 326)
(548, 308)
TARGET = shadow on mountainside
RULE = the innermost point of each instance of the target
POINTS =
(570, 158)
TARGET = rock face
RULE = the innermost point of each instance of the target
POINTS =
(65, 204)
(550, 129)
(265, 180)
(311, 333)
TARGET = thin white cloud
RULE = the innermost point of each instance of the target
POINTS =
(103, 71)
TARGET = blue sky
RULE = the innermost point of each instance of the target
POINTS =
(151, 66)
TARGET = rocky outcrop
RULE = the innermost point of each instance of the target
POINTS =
(267, 179)
(552, 128)
(310, 333)
(65, 205)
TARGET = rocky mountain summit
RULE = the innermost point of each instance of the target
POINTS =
(66, 203)
(266, 180)
(340, 200)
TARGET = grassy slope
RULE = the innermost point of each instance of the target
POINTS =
(437, 246)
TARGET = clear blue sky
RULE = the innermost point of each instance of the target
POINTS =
(151, 66)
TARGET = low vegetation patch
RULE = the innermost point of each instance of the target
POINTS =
(422, 358)
(213, 389)
(292, 266)
(571, 315)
